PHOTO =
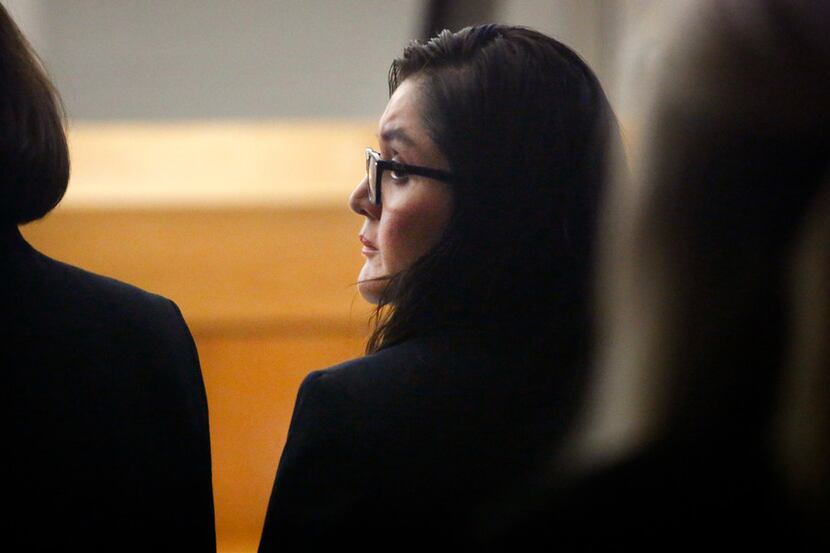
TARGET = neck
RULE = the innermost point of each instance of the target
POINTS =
(10, 239)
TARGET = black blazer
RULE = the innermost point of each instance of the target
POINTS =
(107, 445)
(400, 447)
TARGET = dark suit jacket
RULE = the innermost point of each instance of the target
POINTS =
(397, 448)
(106, 438)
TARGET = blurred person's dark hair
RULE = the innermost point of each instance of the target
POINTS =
(526, 125)
(34, 159)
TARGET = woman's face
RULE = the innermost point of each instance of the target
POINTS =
(414, 210)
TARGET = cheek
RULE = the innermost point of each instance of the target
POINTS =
(409, 230)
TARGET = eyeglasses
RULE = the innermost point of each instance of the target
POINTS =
(375, 166)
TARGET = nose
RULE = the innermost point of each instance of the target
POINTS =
(359, 201)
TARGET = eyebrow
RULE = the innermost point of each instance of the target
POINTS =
(397, 134)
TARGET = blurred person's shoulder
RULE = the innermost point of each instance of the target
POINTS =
(684, 496)
(59, 303)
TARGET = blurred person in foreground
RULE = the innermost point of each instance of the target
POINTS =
(478, 210)
(106, 427)
(710, 418)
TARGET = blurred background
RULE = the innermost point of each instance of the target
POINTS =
(214, 144)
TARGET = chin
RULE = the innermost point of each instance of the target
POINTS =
(370, 291)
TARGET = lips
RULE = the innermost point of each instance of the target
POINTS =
(368, 245)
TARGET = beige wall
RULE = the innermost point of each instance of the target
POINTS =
(253, 59)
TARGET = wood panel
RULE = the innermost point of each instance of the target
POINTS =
(269, 295)
(252, 382)
(230, 270)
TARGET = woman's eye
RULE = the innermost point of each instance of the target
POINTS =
(399, 173)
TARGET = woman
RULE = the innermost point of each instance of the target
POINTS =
(106, 434)
(479, 210)
(710, 417)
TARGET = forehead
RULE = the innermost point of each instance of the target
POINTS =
(401, 118)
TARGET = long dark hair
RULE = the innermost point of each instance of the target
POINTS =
(525, 123)
(34, 159)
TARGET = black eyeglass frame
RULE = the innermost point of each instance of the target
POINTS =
(382, 165)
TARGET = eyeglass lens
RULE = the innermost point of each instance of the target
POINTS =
(371, 177)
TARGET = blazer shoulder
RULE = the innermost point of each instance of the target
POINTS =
(406, 377)
(364, 380)
(95, 316)
(100, 298)
(386, 367)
